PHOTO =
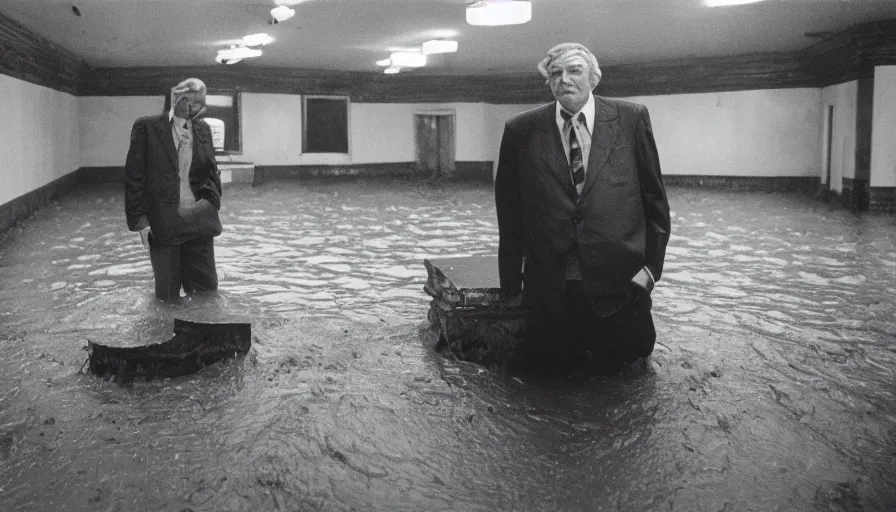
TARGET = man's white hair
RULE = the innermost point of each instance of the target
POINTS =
(564, 51)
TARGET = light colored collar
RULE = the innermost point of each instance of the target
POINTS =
(588, 110)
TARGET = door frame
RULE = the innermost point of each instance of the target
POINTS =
(452, 113)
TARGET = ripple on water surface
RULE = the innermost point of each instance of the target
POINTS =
(772, 386)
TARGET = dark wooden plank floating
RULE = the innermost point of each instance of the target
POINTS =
(477, 324)
(194, 346)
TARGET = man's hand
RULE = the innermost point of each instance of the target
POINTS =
(143, 228)
(644, 280)
(144, 236)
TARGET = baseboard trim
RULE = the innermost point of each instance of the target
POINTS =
(24, 206)
(465, 170)
(882, 199)
(803, 184)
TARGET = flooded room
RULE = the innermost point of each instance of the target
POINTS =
(414, 255)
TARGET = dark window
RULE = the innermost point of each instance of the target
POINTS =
(325, 125)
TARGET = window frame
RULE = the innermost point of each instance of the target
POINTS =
(348, 120)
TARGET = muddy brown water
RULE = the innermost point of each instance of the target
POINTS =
(773, 386)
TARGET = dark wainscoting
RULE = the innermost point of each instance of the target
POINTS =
(96, 175)
(474, 171)
(845, 56)
(268, 173)
(29, 57)
(799, 184)
(854, 194)
(24, 206)
(882, 199)
(477, 171)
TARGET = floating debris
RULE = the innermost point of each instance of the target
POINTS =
(194, 346)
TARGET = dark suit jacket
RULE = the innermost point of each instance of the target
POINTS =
(152, 182)
(620, 223)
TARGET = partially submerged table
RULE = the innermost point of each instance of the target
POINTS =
(473, 318)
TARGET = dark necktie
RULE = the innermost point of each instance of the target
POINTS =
(576, 164)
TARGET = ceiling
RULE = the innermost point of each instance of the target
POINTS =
(352, 35)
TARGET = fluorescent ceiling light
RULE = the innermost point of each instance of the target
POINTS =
(392, 70)
(234, 55)
(724, 3)
(439, 46)
(499, 12)
(408, 59)
(257, 40)
(282, 13)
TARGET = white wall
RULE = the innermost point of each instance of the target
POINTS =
(105, 126)
(38, 136)
(272, 129)
(843, 142)
(883, 131)
(748, 133)
(495, 117)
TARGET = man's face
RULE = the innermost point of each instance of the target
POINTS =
(190, 105)
(570, 81)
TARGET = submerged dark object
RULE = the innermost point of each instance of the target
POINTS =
(479, 324)
(194, 346)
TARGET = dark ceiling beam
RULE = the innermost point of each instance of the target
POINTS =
(29, 57)
(848, 55)
(852, 53)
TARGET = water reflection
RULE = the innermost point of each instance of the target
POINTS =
(772, 386)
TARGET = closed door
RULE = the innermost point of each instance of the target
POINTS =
(435, 144)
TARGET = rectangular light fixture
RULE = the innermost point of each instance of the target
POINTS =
(257, 40)
(499, 12)
(234, 55)
(408, 59)
(439, 46)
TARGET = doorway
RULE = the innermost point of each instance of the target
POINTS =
(434, 135)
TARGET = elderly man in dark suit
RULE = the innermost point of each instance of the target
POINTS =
(583, 218)
(173, 193)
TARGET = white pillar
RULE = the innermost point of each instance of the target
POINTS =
(883, 133)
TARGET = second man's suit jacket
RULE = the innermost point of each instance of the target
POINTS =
(152, 182)
(619, 224)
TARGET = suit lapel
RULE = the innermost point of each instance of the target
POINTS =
(604, 139)
(163, 125)
(553, 152)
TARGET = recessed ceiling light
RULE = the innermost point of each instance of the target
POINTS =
(257, 40)
(499, 12)
(281, 14)
(439, 46)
